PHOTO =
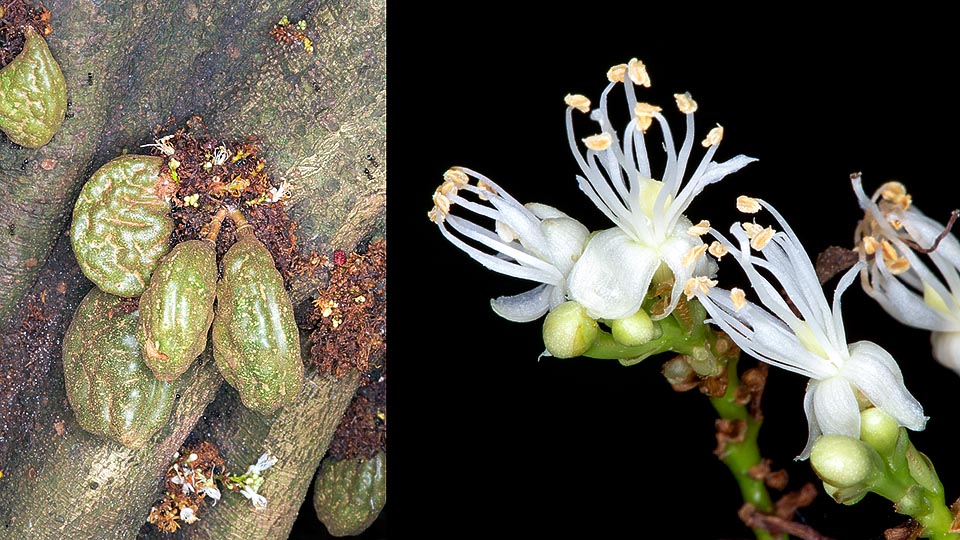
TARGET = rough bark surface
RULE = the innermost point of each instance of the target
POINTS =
(130, 66)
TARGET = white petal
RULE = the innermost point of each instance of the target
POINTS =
(565, 239)
(673, 251)
(946, 349)
(524, 307)
(813, 428)
(875, 373)
(544, 211)
(905, 305)
(836, 407)
(612, 276)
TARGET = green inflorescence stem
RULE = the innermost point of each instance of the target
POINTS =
(741, 456)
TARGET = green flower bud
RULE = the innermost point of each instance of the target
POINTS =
(879, 430)
(634, 330)
(842, 461)
(704, 362)
(568, 331)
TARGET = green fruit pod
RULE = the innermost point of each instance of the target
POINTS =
(176, 309)
(255, 340)
(110, 388)
(121, 225)
(349, 494)
(33, 94)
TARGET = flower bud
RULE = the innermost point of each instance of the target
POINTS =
(921, 470)
(879, 430)
(634, 330)
(843, 461)
(568, 331)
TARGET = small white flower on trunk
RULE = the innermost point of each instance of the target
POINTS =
(895, 274)
(806, 335)
(612, 276)
(534, 241)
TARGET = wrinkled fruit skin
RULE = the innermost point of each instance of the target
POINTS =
(176, 309)
(255, 340)
(33, 94)
(121, 226)
(112, 392)
(348, 495)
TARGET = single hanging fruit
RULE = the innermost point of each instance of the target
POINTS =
(33, 94)
(349, 494)
(176, 309)
(121, 224)
(255, 340)
(111, 390)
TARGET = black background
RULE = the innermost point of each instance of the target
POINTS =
(486, 440)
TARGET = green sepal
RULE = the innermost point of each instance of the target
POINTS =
(33, 94)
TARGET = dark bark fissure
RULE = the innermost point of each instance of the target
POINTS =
(130, 66)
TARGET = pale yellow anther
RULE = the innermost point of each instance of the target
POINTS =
(762, 238)
(685, 103)
(638, 73)
(436, 215)
(717, 249)
(896, 193)
(442, 202)
(456, 176)
(747, 205)
(896, 223)
(870, 245)
(483, 186)
(598, 142)
(714, 137)
(578, 101)
(616, 73)
(889, 252)
(700, 284)
(899, 266)
(695, 253)
(752, 229)
(699, 229)
(738, 297)
(644, 113)
(448, 188)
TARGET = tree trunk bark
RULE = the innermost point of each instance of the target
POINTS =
(129, 66)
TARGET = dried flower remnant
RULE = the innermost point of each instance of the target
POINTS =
(350, 314)
(213, 173)
(287, 33)
(190, 480)
(14, 16)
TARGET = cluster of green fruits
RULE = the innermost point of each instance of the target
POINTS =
(123, 367)
(33, 94)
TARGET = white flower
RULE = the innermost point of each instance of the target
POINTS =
(265, 461)
(897, 278)
(259, 501)
(612, 276)
(187, 515)
(811, 340)
(535, 242)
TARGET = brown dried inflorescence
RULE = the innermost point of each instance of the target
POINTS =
(350, 314)
(206, 174)
(15, 15)
(187, 484)
(363, 431)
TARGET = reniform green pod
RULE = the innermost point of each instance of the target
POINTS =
(255, 340)
(121, 225)
(33, 94)
(177, 308)
(111, 390)
(348, 495)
